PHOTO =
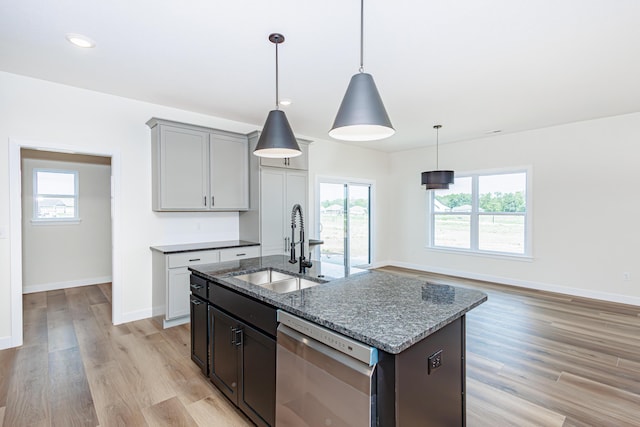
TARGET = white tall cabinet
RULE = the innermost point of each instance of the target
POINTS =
(198, 169)
(276, 185)
(281, 189)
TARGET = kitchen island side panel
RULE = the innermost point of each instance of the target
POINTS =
(435, 394)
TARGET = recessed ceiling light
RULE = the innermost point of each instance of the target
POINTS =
(80, 40)
(285, 102)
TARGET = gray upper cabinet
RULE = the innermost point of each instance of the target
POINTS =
(181, 176)
(300, 162)
(229, 172)
(198, 169)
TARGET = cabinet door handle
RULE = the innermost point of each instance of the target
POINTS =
(213, 201)
(236, 336)
(195, 301)
(205, 200)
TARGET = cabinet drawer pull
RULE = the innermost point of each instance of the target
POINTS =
(240, 254)
(236, 336)
(196, 287)
(194, 259)
(195, 301)
(205, 200)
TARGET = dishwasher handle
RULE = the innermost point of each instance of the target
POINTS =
(321, 355)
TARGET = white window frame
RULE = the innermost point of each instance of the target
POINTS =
(43, 221)
(372, 203)
(474, 216)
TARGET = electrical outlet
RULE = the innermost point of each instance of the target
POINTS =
(434, 361)
(626, 276)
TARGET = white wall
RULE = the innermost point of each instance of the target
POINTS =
(585, 207)
(35, 112)
(332, 159)
(62, 255)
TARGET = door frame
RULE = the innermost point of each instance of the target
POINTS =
(15, 227)
(372, 203)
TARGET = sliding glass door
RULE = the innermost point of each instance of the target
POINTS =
(344, 214)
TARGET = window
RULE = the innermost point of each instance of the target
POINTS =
(55, 195)
(484, 213)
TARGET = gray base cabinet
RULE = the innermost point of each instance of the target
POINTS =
(171, 275)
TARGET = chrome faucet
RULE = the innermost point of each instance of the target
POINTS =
(304, 263)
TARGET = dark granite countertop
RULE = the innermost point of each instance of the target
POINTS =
(205, 246)
(387, 311)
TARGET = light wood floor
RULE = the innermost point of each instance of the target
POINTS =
(533, 359)
(541, 359)
(77, 369)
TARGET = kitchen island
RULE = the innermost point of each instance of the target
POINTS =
(407, 319)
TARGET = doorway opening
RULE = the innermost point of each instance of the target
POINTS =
(16, 231)
(345, 218)
(66, 220)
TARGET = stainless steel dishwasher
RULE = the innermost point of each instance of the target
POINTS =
(322, 378)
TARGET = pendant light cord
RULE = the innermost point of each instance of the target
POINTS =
(437, 149)
(361, 69)
(277, 96)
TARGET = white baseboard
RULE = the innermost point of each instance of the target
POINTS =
(6, 342)
(29, 289)
(175, 322)
(549, 287)
(379, 264)
(132, 316)
(158, 310)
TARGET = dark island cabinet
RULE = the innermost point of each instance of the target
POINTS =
(257, 376)
(233, 343)
(224, 352)
(243, 363)
(199, 335)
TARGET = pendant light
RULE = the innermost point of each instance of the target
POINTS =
(437, 179)
(277, 139)
(361, 116)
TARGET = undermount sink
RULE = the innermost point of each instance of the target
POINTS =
(276, 281)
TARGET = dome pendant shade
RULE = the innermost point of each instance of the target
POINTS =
(277, 139)
(437, 180)
(362, 116)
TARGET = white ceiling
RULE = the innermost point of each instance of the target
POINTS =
(473, 66)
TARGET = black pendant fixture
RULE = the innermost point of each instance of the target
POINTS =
(437, 179)
(277, 139)
(361, 116)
